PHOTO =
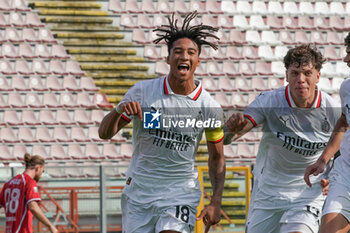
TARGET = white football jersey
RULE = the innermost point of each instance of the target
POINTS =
(162, 166)
(293, 138)
(343, 161)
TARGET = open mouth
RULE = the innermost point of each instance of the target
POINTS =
(183, 67)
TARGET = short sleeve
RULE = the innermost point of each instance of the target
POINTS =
(344, 95)
(133, 94)
(215, 133)
(32, 191)
(255, 112)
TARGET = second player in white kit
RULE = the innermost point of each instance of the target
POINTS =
(297, 121)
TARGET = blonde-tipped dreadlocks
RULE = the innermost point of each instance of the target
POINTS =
(198, 33)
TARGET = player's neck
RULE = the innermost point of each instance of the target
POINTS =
(30, 172)
(304, 103)
(181, 87)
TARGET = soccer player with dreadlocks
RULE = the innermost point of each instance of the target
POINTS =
(169, 117)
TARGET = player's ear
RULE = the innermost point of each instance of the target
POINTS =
(287, 79)
(167, 60)
(318, 76)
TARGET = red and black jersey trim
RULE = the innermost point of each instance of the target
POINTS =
(251, 119)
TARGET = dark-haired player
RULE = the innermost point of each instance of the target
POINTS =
(336, 211)
(162, 190)
(297, 121)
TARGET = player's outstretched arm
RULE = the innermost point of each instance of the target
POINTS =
(217, 168)
(331, 148)
(112, 122)
(235, 127)
(39, 214)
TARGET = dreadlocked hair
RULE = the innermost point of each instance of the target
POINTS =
(197, 33)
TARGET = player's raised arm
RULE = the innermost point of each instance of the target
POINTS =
(235, 127)
(332, 147)
(114, 121)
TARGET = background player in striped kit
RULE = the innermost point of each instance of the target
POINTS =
(297, 121)
(336, 211)
(162, 190)
(20, 195)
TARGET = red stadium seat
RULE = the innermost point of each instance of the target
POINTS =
(68, 100)
(16, 19)
(243, 85)
(15, 100)
(8, 50)
(25, 135)
(78, 135)
(238, 101)
(223, 100)
(148, 7)
(19, 151)
(34, 101)
(50, 101)
(132, 6)
(60, 134)
(58, 153)
(43, 135)
(5, 153)
(208, 83)
(100, 99)
(42, 51)
(40, 67)
(234, 53)
(19, 5)
(29, 118)
(58, 51)
(84, 100)
(4, 84)
(225, 21)
(88, 84)
(144, 21)
(126, 150)
(229, 153)
(33, 20)
(115, 6)
(97, 115)
(53, 83)
(70, 83)
(181, 7)
(11, 118)
(19, 84)
(81, 117)
(12, 35)
(199, 6)
(23, 67)
(225, 84)
(75, 152)
(93, 152)
(29, 35)
(26, 51)
(46, 36)
(111, 152)
(42, 151)
(47, 117)
(128, 21)
(73, 68)
(7, 135)
(63, 117)
(164, 7)
(230, 69)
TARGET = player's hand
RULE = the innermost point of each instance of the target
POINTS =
(210, 216)
(53, 229)
(325, 185)
(314, 169)
(235, 123)
(131, 108)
